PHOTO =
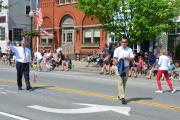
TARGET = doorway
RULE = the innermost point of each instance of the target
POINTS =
(68, 40)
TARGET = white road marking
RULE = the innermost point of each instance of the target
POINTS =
(3, 93)
(10, 91)
(91, 109)
(13, 116)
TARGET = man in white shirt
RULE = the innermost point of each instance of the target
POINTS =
(125, 53)
(23, 58)
(59, 50)
(38, 58)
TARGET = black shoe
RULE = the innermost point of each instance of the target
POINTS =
(119, 98)
(19, 88)
(101, 73)
(29, 88)
(123, 101)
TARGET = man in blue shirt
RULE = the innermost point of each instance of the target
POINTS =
(23, 59)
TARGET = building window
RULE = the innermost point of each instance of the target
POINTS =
(96, 36)
(27, 9)
(2, 34)
(64, 37)
(87, 36)
(50, 41)
(46, 40)
(69, 37)
(67, 1)
(2, 19)
(0, 6)
(175, 30)
(91, 36)
(17, 34)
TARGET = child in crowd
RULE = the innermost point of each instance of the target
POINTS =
(176, 71)
(139, 66)
(153, 69)
(133, 70)
(106, 65)
(170, 69)
(66, 63)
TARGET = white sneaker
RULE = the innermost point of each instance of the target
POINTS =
(159, 91)
(173, 91)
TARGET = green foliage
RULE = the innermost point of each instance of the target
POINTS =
(103, 10)
(7, 6)
(140, 19)
(34, 33)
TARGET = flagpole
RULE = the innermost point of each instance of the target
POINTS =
(38, 39)
(53, 42)
(39, 22)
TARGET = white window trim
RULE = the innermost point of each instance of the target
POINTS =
(92, 34)
(67, 2)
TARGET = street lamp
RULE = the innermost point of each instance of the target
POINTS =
(31, 15)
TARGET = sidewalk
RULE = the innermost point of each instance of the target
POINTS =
(77, 66)
(81, 66)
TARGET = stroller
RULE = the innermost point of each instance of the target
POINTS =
(52, 64)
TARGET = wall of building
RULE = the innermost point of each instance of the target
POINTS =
(53, 15)
(4, 13)
(17, 14)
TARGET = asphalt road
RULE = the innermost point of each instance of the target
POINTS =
(70, 95)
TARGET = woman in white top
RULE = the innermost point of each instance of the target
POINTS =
(163, 64)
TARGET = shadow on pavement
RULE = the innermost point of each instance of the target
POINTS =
(140, 98)
(42, 87)
(169, 91)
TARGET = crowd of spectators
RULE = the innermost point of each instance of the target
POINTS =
(144, 64)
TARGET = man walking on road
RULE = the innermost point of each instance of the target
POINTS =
(122, 56)
(23, 58)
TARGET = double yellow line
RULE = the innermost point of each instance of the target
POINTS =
(100, 95)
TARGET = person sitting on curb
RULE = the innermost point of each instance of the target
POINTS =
(67, 63)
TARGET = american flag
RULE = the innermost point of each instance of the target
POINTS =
(39, 16)
(45, 33)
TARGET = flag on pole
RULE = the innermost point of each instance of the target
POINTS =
(45, 33)
(39, 15)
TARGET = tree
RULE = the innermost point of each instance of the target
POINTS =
(152, 17)
(34, 33)
(7, 6)
(3, 6)
(104, 10)
(140, 20)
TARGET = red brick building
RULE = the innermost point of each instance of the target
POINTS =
(72, 29)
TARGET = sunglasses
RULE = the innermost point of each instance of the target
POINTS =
(124, 42)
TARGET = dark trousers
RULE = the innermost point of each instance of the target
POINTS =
(22, 68)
